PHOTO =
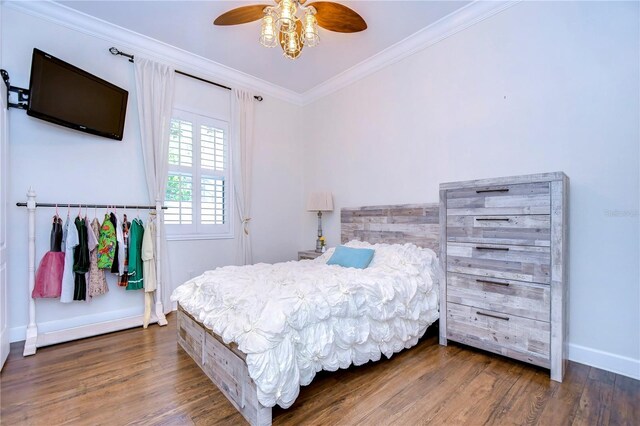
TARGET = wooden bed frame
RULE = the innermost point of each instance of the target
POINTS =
(225, 364)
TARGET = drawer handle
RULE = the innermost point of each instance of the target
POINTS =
(502, 219)
(492, 282)
(492, 248)
(493, 316)
(480, 191)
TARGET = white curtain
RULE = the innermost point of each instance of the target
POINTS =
(242, 133)
(154, 92)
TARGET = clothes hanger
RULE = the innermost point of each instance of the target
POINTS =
(68, 211)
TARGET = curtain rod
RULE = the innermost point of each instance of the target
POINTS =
(115, 51)
(93, 206)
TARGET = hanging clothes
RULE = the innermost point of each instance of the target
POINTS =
(97, 279)
(106, 244)
(148, 256)
(92, 243)
(81, 261)
(55, 239)
(124, 278)
(115, 266)
(51, 268)
(121, 246)
(70, 241)
(136, 276)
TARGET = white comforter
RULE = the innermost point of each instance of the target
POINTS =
(294, 319)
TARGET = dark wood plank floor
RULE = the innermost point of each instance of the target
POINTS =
(142, 377)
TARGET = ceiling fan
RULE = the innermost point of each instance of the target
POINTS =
(281, 25)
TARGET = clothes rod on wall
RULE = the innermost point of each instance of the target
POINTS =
(93, 206)
(115, 51)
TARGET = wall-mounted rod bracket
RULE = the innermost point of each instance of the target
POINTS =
(115, 51)
(23, 94)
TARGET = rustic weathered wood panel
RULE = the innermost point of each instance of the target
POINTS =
(225, 366)
(527, 300)
(393, 224)
(190, 337)
(443, 268)
(529, 198)
(506, 180)
(532, 230)
(521, 263)
(520, 338)
(559, 276)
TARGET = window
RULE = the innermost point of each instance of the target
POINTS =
(198, 196)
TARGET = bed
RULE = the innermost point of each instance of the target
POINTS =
(293, 319)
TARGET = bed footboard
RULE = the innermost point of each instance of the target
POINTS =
(225, 365)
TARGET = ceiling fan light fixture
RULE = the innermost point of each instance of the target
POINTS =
(291, 44)
(310, 35)
(286, 21)
(294, 24)
(269, 33)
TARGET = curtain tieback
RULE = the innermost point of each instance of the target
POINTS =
(245, 224)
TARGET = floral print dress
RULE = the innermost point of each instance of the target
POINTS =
(97, 279)
(106, 244)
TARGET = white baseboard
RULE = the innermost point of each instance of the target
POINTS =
(605, 360)
(17, 334)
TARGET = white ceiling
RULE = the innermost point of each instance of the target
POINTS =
(188, 25)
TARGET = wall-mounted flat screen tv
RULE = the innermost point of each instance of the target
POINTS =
(66, 95)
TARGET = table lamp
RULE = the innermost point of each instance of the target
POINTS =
(320, 202)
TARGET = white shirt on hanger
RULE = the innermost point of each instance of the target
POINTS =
(70, 240)
(121, 247)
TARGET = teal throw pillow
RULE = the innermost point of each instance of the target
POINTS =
(350, 257)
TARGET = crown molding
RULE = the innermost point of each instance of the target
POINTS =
(457, 21)
(142, 45)
(138, 44)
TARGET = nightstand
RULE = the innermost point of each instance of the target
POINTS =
(308, 254)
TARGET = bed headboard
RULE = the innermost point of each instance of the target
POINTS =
(394, 224)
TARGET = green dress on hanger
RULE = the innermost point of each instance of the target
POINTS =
(136, 232)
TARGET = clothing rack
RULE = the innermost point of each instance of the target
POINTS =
(34, 339)
(94, 206)
(117, 52)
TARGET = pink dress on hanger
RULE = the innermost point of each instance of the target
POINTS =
(49, 273)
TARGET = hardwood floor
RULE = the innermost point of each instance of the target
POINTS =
(142, 377)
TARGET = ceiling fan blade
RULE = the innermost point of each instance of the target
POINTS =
(336, 17)
(241, 15)
(299, 31)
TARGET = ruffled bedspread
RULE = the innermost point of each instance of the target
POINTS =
(294, 319)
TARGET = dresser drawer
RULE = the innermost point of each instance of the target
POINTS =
(527, 300)
(520, 338)
(520, 263)
(520, 199)
(534, 230)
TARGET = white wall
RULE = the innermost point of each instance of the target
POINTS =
(539, 87)
(64, 165)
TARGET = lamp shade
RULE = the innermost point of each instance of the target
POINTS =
(320, 202)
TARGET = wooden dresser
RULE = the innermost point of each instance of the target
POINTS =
(504, 250)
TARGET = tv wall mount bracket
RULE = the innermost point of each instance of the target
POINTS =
(23, 94)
